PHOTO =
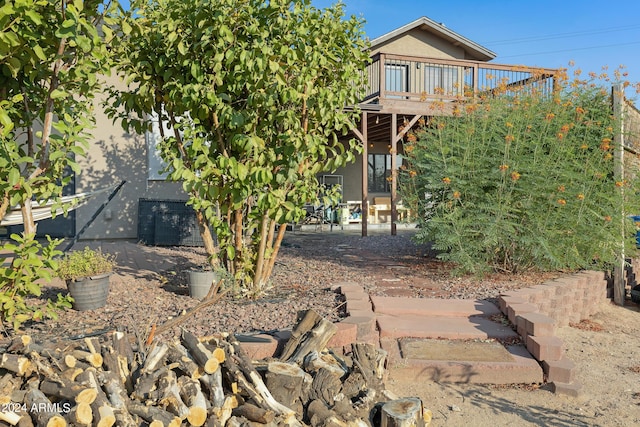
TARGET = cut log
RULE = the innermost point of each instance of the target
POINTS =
(116, 363)
(20, 344)
(94, 359)
(71, 391)
(250, 380)
(371, 360)
(103, 414)
(312, 333)
(170, 395)
(70, 361)
(40, 408)
(118, 398)
(81, 414)
(407, 412)
(254, 413)
(155, 357)
(288, 384)
(151, 413)
(219, 416)
(325, 387)
(9, 383)
(318, 414)
(316, 360)
(10, 417)
(122, 346)
(177, 353)
(213, 384)
(15, 363)
(194, 399)
(200, 353)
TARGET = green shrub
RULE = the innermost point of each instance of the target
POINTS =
(24, 266)
(85, 263)
(522, 182)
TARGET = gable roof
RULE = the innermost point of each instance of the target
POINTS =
(474, 50)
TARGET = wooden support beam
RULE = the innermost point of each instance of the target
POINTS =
(365, 189)
(394, 172)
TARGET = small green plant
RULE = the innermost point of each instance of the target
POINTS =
(85, 263)
(24, 267)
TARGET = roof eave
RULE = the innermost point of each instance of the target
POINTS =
(477, 51)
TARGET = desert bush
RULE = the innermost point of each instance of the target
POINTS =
(521, 182)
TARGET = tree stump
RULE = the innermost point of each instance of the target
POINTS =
(407, 412)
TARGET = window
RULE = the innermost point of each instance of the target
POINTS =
(154, 162)
(395, 79)
(379, 170)
(441, 80)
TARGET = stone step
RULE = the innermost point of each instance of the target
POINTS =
(513, 366)
(433, 307)
(444, 327)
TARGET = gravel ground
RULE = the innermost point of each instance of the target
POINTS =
(309, 266)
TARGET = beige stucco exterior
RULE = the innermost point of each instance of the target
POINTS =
(116, 155)
(420, 43)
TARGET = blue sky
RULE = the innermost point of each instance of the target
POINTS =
(593, 34)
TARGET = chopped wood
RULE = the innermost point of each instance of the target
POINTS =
(151, 413)
(201, 354)
(194, 399)
(312, 333)
(15, 363)
(407, 412)
(254, 413)
(10, 417)
(67, 390)
(288, 383)
(178, 354)
(44, 414)
(94, 359)
(81, 414)
(207, 381)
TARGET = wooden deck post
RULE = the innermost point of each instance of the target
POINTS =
(619, 292)
(394, 172)
(365, 189)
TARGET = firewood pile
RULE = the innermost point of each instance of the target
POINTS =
(200, 381)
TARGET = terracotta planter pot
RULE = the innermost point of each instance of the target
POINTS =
(89, 293)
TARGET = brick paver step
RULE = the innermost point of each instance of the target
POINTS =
(432, 306)
(455, 327)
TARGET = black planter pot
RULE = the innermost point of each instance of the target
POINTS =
(89, 293)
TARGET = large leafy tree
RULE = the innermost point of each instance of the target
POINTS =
(51, 52)
(255, 91)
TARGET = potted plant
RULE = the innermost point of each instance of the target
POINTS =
(201, 278)
(87, 274)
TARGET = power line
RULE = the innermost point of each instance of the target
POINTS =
(572, 49)
(562, 35)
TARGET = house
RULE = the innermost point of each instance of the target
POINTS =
(417, 71)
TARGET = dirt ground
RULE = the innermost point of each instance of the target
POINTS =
(606, 350)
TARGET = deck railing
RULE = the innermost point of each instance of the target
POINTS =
(409, 78)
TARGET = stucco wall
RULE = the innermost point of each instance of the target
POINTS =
(420, 43)
(116, 155)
